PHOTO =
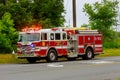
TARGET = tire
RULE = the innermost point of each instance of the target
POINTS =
(51, 56)
(31, 60)
(89, 54)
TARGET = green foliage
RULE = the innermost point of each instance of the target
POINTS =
(102, 16)
(21, 13)
(7, 34)
(47, 13)
(118, 34)
(112, 44)
(85, 25)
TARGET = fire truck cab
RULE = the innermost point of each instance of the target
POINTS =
(59, 42)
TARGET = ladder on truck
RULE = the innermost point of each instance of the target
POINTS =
(88, 32)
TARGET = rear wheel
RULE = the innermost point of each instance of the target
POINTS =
(31, 60)
(52, 56)
(88, 55)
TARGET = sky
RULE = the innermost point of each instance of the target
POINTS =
(80, 15)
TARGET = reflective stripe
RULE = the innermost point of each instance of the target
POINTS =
(91, 46)
(80, 46)
(64, 47)
(44, 47)
(98, 45)
(57, 47)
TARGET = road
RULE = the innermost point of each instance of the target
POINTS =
(97, 69)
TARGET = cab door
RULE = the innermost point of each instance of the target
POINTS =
(58, 43)
(64, 43)
(52, 40)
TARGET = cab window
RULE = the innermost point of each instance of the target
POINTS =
(43, 36)
(57, 36)
(52, 36)
(64, 36)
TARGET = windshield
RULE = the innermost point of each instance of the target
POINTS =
(29, 37)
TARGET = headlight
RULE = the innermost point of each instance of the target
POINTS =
(18, 49)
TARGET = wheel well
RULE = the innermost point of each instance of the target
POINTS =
(90, 48)
(52, 49)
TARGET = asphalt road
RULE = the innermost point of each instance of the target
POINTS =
(97, 69)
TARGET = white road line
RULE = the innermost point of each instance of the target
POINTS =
(55, 65)
(97, 62)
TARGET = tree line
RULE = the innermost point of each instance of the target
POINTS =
(17, 14)
(47, 13)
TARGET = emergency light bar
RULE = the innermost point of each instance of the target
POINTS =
(30, 29)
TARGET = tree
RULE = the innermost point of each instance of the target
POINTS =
(21, 13)
(85, 25)
(102, 16)
(4, 2)
(47, 13)
(8, 35)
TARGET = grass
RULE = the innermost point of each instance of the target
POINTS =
(110, 52)
(118, 78)
(11, 59)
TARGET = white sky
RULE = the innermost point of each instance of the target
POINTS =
(81, 17)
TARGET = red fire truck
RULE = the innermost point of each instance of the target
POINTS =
(53, 43)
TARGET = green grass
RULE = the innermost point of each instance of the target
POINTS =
(11, 59)
(110, 52)
(118, 78)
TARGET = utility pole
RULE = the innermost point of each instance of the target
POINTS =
(74, 13)
(4, 2)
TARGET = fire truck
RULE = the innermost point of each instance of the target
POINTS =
(54, 43)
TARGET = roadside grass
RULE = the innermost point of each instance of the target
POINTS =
(11, 59)
(118, 78)
(110, 52)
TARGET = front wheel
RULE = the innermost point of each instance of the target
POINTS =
(89, 54)
(52, 56)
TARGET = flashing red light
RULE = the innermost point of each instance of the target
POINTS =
(35, 27)
(30, 29)
(24, 30)
(54, 29)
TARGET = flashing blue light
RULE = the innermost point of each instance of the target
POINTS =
(32, 46)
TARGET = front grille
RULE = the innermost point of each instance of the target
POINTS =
(26, 49)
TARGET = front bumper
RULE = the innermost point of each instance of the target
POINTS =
(25, 55)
